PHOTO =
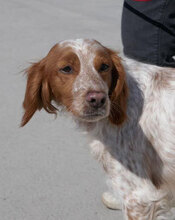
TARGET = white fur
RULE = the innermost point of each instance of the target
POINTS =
(88, 78)
(151, 130)
(144, 146)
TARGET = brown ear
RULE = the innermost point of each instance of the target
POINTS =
(38, 93)
(119, 91)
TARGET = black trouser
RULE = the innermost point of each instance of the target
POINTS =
(148, 31)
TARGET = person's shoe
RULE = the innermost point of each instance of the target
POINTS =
(110, 201)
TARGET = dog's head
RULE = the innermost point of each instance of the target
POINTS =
(85, 77)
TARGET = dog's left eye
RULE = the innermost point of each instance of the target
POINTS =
(66, 69)
(103, 67)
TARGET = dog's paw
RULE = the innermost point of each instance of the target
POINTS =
(111, 202)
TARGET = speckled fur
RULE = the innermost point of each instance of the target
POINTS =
(138, 154)
(143, 149)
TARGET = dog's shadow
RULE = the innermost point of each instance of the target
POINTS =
(133, 149)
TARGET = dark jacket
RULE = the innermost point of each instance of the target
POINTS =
(148, 31)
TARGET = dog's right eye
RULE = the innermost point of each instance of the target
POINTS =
(66, 69)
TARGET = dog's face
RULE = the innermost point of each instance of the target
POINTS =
(81, 75)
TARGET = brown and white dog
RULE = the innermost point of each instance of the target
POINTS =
(127, 108)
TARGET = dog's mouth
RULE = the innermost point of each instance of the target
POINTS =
(93, 116)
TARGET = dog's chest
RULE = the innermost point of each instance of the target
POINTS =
(122, 158)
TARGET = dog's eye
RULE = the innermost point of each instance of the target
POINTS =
(103, 67)
(66, 69)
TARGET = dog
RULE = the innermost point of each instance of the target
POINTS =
(128, 110)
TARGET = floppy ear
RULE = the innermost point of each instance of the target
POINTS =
(118, 92)
(38, 94)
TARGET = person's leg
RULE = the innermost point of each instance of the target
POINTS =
(148, 31)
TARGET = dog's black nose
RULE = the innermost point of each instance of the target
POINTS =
(96, 99)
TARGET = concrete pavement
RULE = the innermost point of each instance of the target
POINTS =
(46, 170)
